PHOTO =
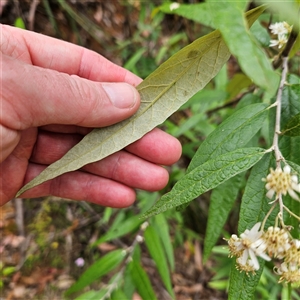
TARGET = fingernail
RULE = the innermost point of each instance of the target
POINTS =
(121, 95)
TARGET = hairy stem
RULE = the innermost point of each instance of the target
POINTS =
(278, 154)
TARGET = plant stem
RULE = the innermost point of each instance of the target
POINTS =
(291, 213)
(267, 215)
(278, 154)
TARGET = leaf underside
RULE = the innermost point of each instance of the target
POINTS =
(162, 93)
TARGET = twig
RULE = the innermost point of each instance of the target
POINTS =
(268, 214)
(69, 243)
(278, 154)
(51, 18)
(20, 216)
(31, 15)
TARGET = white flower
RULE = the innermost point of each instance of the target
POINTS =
(282, 182)
(247, 248)
(174, 6)
(279, 28)
(282, 40)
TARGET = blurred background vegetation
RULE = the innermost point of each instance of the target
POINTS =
(48, 244)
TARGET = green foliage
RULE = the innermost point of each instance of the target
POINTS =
(20, 23)
(292, 128)
(230, 120)
(156, 251)
(141, 280)
(101, 267)
(229, 18)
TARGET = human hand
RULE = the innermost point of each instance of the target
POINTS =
(52, 94)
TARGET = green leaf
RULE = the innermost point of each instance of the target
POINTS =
(294, 206)
(228, 17)
(206, 177)
(237, 84)
(292, 128)
(123, 228)
(19, 23)
(261, 34)
(141, 281)
(128, 284)
(162, 93)
(294, 166)
(8, 270)
(241, 285)
(196, 12)
(118, 295)
(255, 204)
(253, 209)
(98, 269)
(161, 227)
(220, 205)
(156, 251)
(234, 132)
(290, 146)
(90, 295)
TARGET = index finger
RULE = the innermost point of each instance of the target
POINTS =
(51, 53)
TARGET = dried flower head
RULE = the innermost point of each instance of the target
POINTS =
(282, 182)
(293, 254)
(277, 241)
(289, 272)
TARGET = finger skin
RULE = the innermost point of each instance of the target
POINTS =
(132, 169)
(156, 146)
(50, 97)
(70, 98)
(81, 186)
(54, 54)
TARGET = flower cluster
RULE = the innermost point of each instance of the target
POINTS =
(247, 247)
(281, 29)
(281, 182)
(275, 242)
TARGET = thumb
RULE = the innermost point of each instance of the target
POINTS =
(51, 97)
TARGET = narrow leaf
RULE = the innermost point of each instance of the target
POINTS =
(220, 205)
(90, 295)
(125, 227)
(162, 93)
(228, 17)
(292, 128)
(161, 226)
(141, 281)
(97, 270)
(118, 295)
(206, 177)
(156, 251)
(234, 132)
